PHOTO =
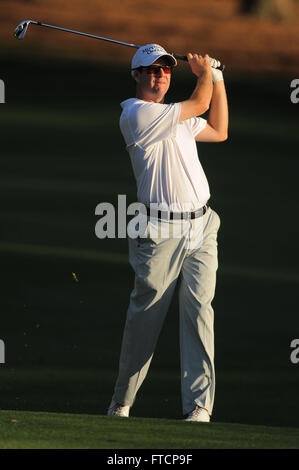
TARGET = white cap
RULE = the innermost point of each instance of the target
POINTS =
(148, 54)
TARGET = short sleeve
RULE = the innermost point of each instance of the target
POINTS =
(150, 123)
(197, 124)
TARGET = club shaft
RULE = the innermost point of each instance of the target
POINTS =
(39, 23)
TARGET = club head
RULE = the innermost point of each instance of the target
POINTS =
(21, 29)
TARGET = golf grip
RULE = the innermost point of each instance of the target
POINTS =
(184, 57)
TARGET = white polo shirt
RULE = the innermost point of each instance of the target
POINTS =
(164, 155)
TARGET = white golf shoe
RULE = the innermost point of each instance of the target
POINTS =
(115, 409)
(198, 414)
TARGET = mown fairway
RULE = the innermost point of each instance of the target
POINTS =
(31, 430)
(65, 292)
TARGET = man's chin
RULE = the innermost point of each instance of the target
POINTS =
(161, 88)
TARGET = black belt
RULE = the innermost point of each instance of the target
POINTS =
(177, 215)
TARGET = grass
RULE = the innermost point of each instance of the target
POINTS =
(33, 430)
(62, 154)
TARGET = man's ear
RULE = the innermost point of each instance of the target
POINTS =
(135, 75)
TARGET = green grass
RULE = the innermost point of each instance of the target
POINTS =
(62, 154)
(33, 430)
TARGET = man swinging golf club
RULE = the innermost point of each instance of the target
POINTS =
(161, 141)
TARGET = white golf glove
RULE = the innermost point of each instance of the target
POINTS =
(217, 74)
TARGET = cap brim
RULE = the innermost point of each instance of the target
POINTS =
(151, 60)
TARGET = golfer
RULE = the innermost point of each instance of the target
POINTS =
(179, 244)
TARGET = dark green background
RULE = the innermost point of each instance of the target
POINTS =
(61, 154)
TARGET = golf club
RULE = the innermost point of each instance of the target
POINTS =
(21, 30)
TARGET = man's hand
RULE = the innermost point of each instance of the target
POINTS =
(199, 65)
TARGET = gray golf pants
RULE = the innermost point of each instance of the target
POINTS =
(188, 254)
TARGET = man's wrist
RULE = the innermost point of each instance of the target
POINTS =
(217, 75)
